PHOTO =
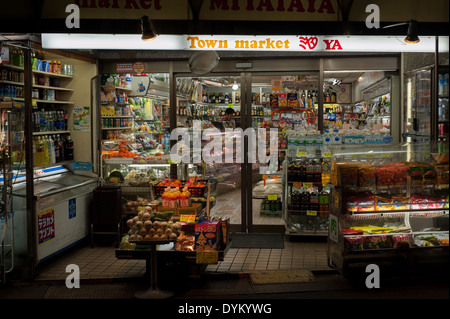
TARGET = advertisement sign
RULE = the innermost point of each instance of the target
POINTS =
(46, 225)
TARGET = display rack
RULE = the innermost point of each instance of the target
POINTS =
(390, 206)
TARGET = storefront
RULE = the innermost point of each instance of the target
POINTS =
(319, 94)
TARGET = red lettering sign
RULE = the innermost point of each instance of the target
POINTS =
(308, 42)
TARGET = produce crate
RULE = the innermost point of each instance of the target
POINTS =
(195, 191)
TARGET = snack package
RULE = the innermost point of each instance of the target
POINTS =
(401, 241)
(442, 174)
(282, 100)
(416, 173)
(429, 175)
(385, 176)
(351, 203)
(400, 174)
(273, 100)
(400, 202)
(292, 99)
(349, 176)
(383, 203)
(354, 243)
(367, 176)
(366, 203)
(372, 242)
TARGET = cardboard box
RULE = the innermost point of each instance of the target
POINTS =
(208, 236)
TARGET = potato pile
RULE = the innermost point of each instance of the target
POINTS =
(143, 228)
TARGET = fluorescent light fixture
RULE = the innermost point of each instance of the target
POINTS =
(235, 86)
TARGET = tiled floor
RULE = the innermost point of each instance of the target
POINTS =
(101, 262)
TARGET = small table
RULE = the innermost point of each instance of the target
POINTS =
(153, 292)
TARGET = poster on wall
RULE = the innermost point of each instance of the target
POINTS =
(46, 225)
(81, 118)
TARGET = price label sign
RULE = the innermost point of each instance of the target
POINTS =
(297, 184)
(311, 212)
(326, 154)
(187, 218)
(308, 184)
(301, 154)
(206, 257)
(272, 197)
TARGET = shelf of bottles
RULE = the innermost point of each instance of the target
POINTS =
(51, 138)
(47, 76)
(307, 194)
(443, 110)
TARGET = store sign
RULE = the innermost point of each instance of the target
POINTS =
(46, 225)
(302, 43)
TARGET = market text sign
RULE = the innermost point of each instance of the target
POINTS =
(46, 225)
(307, 43)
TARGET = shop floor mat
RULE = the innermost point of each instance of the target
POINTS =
(261, 241)
(281, 276)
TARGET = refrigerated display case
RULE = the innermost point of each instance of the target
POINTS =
(62, 204)
(417, 105)
(389, 206)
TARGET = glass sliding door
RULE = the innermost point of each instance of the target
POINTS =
(208, 110)
(282, 105)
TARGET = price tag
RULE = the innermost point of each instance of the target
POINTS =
(370, 155)
(297, 184)
(206, 257)
(326, 154)
(187, 218)
(230, 105)
(308, 184)
(272, 197)
(311, 212)
(274, 177)
(301, 154)
(265, 176)
(356, 155)
(386, 155)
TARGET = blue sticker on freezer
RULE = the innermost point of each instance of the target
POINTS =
(72, 208)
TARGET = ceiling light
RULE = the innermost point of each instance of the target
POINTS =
(235, 86)
(148, 33)
(412, 37)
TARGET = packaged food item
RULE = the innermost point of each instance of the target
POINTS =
(371, 242)
(282, 100)
(400, 174)
(292, 99)
(349, 176)
(429, 175)
(400, 202)
(349, 231)
(366, 203)
(367, 176)
(442, 174)
(443, 241)
(401, 241)
(383, 203)
(351, 203)
(385, 176)
(354, 243)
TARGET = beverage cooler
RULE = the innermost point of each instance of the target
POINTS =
(417, 105)
(62, 202)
